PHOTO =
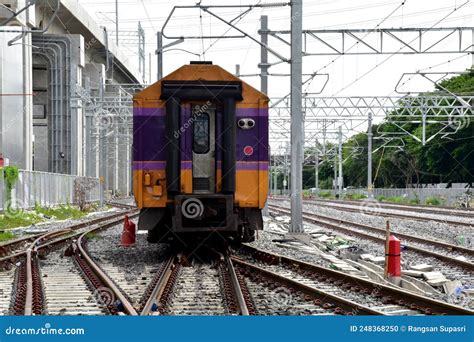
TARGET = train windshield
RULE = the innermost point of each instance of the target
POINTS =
(201, 133)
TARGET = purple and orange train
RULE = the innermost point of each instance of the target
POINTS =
(200, 155)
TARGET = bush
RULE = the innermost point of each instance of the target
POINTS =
(356, 196)
(325, 194)
(398, 200)
(10, 174)
(434, 201)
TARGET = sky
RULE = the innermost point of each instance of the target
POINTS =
(345, 74)
(360, 75)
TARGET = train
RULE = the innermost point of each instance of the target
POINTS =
(200, 156)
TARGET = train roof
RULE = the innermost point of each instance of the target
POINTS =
(198, 72)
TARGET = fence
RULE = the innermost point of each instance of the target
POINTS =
(451, 196)
(45, 189)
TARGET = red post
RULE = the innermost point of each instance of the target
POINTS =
(129, 233)
(394, 268)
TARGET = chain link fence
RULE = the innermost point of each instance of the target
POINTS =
(46, 189)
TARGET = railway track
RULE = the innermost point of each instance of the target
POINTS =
(370, 296)
(251, 282)
(196, 287)
(276, 293)
(456, 255)
(99, 281)
(15, 249)
(232, 286)
(441, 256)
(65, 289)
(122, 205)
(417, 208)
(43, 282)
(374, 208)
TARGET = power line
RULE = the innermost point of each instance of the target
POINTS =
(390, 56)
(311, 78)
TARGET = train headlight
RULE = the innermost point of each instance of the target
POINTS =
(246, 123)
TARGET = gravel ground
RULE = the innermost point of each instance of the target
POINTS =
(131, 268)
(457, 235)
(275, 227)
(125, 200)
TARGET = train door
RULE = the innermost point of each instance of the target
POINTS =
(204, 149)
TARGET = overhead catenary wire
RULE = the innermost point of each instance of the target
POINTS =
(392, 55)
(355, 44)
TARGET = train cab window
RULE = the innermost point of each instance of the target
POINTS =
(201, 133)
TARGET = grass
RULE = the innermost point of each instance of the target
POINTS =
(398, 200)
(326, 194)
(19, 219)
(23, 218)
(435, 201)
(62, 212)
(4, 236)
(92, 235)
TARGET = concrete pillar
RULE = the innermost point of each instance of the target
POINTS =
(296, 117)
(16, 104)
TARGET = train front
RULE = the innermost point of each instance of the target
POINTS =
(200, 155)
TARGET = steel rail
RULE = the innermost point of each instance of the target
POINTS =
(317, 219)
(378, 213)
(448, 246)
(343, 303)
(423, 303)
(13, 244)
(448, 211)
(242, 305)
(31, 252)
(42, 242)
(106, 280)
(155, 295)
